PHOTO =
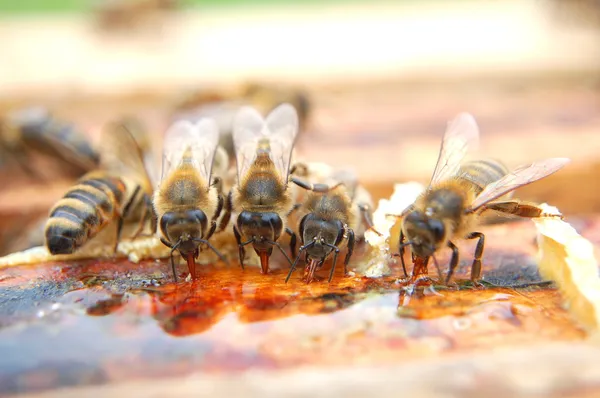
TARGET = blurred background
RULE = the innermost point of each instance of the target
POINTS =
(375, 82)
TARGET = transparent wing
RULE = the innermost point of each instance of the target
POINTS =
(190, 143)
(521, 176)
(461, 134)
(121, 154)
(276, 134)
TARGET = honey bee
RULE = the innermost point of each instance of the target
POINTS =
(261, 196)
(461, 192)
(119, 190)
(34, 130)
(188, 194)
(328, 221)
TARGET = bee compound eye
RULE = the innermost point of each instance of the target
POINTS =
(437, 229)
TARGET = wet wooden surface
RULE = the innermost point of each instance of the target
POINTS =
(104, 323)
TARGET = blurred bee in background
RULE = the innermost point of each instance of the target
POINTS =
(331, 220)
(118, 191)
(460, 193)
(115, 15)
(189, 199)
(223, 106)
(34, 131)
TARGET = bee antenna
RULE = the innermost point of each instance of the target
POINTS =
(408, 243)
(213, 249)
(302, 248)
(280, 249)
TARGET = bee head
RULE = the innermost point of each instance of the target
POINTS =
(184, 227)
(425, 234)
(320, 236)
(262, 228)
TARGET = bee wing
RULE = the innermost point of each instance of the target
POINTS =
(521, 176)
(191, 142)
(121, 154)
(461, 134)
(279, 128)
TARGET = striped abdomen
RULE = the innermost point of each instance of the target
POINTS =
(83, 212)
(481, 173)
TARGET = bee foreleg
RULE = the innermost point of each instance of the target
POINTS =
(293, 267)
(173, 248)
(227, 215)
(333, 264)
(241, 250)
(351, 241)
(476, 267)
(292, 241)
(453, 261)
(321, 188)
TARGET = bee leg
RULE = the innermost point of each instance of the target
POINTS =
(321, 188)
(292, 241)
(453, 261)
(211, 231)
(172, 247)
(351, 241)
(293, 267)
(335, 257)
(519, 208)
(143, 218)
(227, 215)
(118, 235)
(402, 249)
(241, 250)
(124, 214)
(476, 267)
(219, 207)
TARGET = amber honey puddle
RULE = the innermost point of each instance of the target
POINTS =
(98, 322)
